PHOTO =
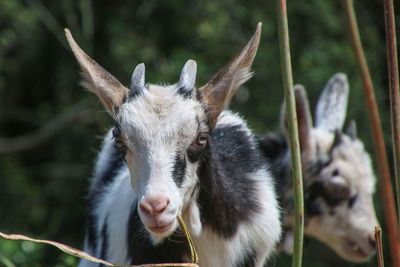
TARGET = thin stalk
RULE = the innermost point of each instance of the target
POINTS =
(378, 242)
(391, 48)
(287, 79)
(385, 186)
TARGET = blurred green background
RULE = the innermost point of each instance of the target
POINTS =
(50, 128)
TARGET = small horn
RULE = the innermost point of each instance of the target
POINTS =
(188, 78)
(137, 80)
(352, 130)
(337, 140)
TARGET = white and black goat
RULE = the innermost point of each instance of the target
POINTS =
(337, 173)
(174, 151)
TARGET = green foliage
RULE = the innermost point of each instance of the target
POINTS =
(42, 188)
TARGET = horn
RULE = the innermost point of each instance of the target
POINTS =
(352, 130)
(336, 141)
(188, 78)
(137, 80)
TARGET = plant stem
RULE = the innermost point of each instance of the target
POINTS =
(379, 250)
(287, 79)
(385, 186)
(391, 48)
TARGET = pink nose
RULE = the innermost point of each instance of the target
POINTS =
(153, 206)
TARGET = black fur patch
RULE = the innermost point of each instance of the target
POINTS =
(311, 206)
(134, 92)
(226, 196)
(198, 95)
(194, 153)
(272, 145)
(274, 148)
(140, 248)
(178, 171)
(115, 163)
(317, 189)
(249, 260)
(185, 92)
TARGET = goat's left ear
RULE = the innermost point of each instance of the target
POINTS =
(332, 104)
(97, 80)
(217, 93)
(304, 120)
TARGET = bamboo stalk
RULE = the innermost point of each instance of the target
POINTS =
(378, 242)
(287, 79)
(391, 50)
(385, 186)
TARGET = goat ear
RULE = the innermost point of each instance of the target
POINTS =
(332, 104)
(217, 93)
(188, 78)
(352, 130)
(97, 80)
(304, 120)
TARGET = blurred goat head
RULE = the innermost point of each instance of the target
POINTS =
(337, 172)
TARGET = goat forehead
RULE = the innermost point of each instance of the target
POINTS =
(159, 114)
(351, 159)
(356, 164)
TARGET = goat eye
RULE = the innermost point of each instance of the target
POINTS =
(201, 139)
(352, 200)
(118, 139)
(116, 132)
(119, 143)
(335, 172)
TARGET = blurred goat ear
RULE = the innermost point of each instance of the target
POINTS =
(304, 120)
(217, 93)
(97, 80)
(332, 104)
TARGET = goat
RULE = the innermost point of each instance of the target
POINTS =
(337, 174)
(175, 151)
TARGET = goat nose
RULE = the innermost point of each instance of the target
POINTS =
(371, 240)
(153, 206)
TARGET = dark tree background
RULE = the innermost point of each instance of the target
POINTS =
(50, 128)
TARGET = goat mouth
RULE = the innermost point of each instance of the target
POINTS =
(356, 253)
(161, 228)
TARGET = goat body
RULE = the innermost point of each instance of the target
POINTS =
(234, 199)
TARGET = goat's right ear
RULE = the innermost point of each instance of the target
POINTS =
(217, 93)
(304, 120)
(331, 109)
(97, 80)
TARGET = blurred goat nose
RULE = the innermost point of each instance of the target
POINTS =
(153, 206)
(371, 240)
